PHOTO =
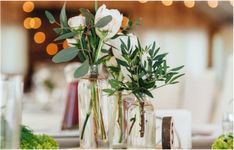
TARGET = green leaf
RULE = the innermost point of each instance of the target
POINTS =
(109, 91)
(114, 83)
(105, 51)
(103, 21)
(63, 16)
(87, 14)
(148, 93)
(129, 43)
(161, 56)
(177, 68)
(176, 77)
(58, 30)
(150, 84)
(121, 62)
(65, 55)
(65, 36)
(50, 17)
(82, 70)
(175, 82)
(114, 69)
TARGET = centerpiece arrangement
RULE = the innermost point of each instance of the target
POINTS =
(143, 69)
(106, 115)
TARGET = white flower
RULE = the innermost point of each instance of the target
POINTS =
(116, 43)
(71, 42)
(117, 51)
(76, 22)
(113, 26)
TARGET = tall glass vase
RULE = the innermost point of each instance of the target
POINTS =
(93, 110)
(70, 119)
(141, 124)
(118, 120)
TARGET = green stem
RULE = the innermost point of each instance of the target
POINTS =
(97, 52)
(98, 116)
(82, 47)
(84, 126)
(96, 5)
(86, 119)
(120, 116)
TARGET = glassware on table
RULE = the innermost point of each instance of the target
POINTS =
(93, 110)
(11, 89)
(228, 119)
(141, 124)
(118, 120)
(71, 116)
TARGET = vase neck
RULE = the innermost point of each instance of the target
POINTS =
(93, 71)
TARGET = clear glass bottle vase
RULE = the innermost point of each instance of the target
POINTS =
(70, 119)
(118, 120)
(93, 110)
(141, 124)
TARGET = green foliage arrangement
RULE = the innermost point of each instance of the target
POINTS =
(147, 69)
(28, 140)
(86, 34)
(223, 142)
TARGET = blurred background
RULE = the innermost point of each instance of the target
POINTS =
(197, 34)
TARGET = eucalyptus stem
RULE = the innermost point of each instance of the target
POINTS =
(97, 52)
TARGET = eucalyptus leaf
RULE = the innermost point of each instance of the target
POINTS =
(89, 17)
(103, 21)
(65, 36)
(58, 30)
(82, 70)
(63, 16)
(65, 55)
(50, 17)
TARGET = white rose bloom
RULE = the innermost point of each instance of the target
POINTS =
(76, 22)
(117, 51)
(116, 43)
(113, 26)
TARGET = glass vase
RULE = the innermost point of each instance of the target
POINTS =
(93, 110)
(11, 91)
(71, 118)
(141, 124)
(118, 120)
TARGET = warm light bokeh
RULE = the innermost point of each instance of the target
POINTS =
(28, 6)
(167, 2)
(143, 1)
(52, 49)
(213, 4)
(189, 3)
(35, 23)
(65, 44)
(39, 37)
(27, 23)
